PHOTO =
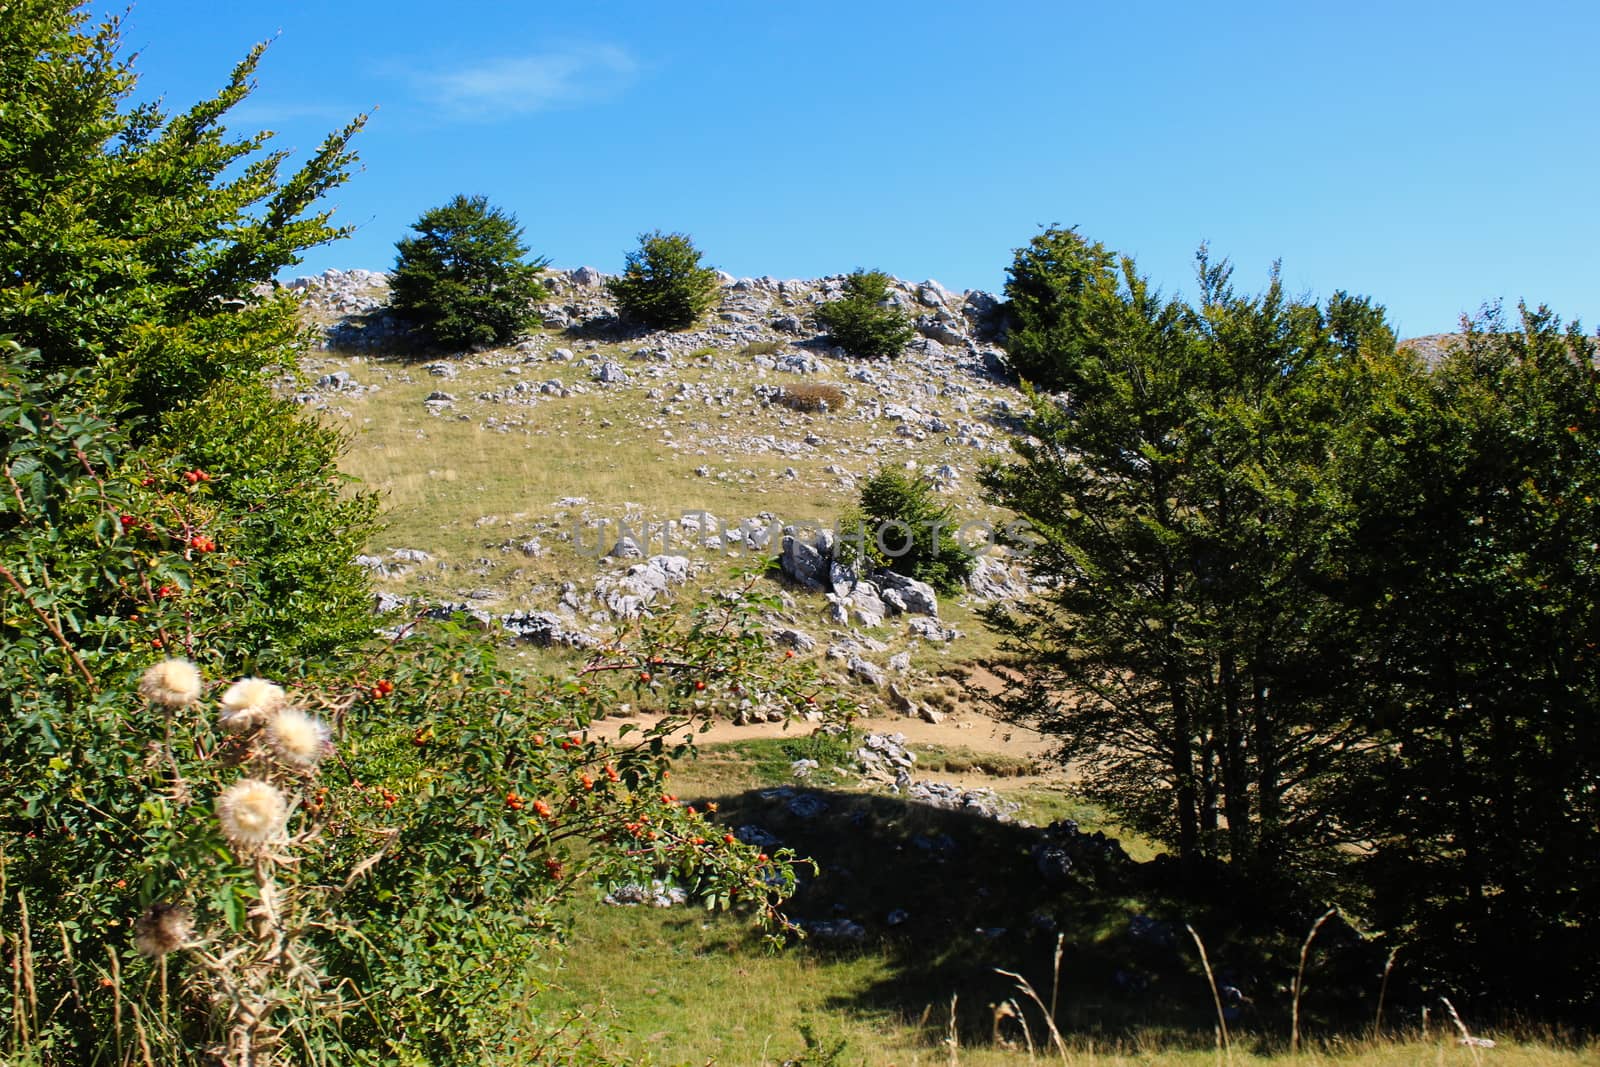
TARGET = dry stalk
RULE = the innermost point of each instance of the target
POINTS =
(1026, 988)
(1472, 1043)
(26, 944)
(66, 954)
(1383, 989)
(1027, 1034)
(1300, 979)
(116, 1001)
(953, 1041)
(1224, 1044)
(1055, 972)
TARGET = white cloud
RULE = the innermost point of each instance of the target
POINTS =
(519, 85)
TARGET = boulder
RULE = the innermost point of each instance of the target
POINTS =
(867, 672)
(798, 640)
(918, 597)
(805, 562)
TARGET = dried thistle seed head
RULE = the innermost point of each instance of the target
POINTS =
(252, 813)
(296, 738)
(249, 703)
(172, 682)
(163, 928)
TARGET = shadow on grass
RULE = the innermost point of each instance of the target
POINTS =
(946, 897)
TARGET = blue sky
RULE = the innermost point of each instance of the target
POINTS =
(1433, 155)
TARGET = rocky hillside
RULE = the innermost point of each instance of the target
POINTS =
(588, 474)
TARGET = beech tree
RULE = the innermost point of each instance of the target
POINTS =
(663, 286)
(464, 279)
(862, 322)
(1325, 615)
(1178, 495)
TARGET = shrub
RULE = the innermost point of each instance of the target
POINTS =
(916, 531)
(862, 323)
(664, 287)
(812, 396)
(463, 280)
(424, 806)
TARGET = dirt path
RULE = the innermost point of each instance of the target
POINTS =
(970, 729)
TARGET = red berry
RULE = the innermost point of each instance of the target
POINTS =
(728, 839)
(191, 477)
(762, 858)
(699, 686)
(644, 676)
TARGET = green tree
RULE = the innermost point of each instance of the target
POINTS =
(1055, 289)
(862, 322)
(464, 279)
(121, 239)
(663, 286)
(1180, 501)
(1326, 615)
(918, 533)
(1480, 586)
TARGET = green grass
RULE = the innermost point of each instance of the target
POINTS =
(681, 986)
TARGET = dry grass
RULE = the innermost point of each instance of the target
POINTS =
(812, 397)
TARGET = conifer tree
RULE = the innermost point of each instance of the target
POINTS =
(463, 279)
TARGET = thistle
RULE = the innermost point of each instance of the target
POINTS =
(248, 703)
(172, 682)
(296, 738)
(163, 928)
(252, 813)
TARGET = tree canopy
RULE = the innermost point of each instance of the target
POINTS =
(862, 322)
(663, 286)
(463, 279)
(1315, 611)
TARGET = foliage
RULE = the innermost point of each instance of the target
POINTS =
(1056, 290)
(663, 286)
(120, 238)
(899, 525)
(463, 279)
(1479, 583)
(1316, 612)
(862, 323)
(160, 501)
